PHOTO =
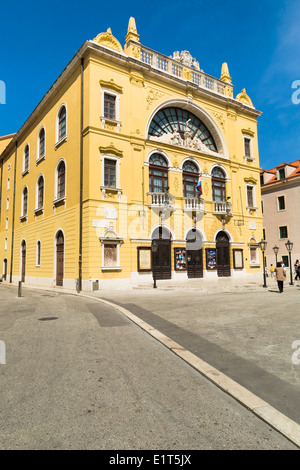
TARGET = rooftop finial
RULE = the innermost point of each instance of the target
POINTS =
(132, 34)
(225, 76)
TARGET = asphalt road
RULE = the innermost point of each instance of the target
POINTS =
(80, 375)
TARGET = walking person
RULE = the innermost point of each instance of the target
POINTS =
(280, 273)
(272, 269)
(297, 269)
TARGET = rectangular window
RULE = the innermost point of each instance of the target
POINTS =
(281, 173)
(247, 147)
(283, 232)
(110, 173)
(8, 183)
(5, 244)
(6, 223)
(285, 260)
(262, 179)
(110, 255)
(264, 233)
(281, 203)
(250, 199)
(109, 106)
(253, 255)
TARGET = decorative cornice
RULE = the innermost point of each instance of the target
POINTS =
(111, 85)
(111, 150)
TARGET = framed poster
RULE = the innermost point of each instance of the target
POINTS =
(211, 259)
(238, 261)
(180, 259)
(144, 258)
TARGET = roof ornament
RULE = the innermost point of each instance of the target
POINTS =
(186, 59)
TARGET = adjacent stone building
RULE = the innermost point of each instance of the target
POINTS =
(280, 189)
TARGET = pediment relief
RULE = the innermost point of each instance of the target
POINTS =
(111, 150)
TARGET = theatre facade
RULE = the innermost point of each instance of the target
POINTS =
(133, 164)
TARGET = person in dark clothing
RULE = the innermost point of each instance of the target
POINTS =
(297, 270)
(280, 276)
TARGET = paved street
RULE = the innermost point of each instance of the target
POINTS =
(80, 375)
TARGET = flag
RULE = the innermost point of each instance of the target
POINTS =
(199, 185)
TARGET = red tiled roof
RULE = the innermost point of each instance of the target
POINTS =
(296, 172)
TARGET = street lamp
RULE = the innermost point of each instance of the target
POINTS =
(289, 247)
(276, 249)
(263, 246)
(154, 248)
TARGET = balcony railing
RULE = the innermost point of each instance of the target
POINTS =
(175, 68)
(222, 207)
(161, 200)
(193, 204)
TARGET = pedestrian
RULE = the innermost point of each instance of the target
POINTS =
(297, 269)
(272, 270)
(280, 276)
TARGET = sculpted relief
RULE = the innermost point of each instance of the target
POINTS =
(188, 140)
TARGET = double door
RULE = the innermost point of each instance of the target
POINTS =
(194, 263)
(161, 260)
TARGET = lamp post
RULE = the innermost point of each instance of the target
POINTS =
(263, 245)
(275, 249)
(154, 248)
(289, 247)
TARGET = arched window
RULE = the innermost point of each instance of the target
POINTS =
(218, 184)
(41, 144)
(40, 192)
(158, 173)
(61, 180)
(190, 178)
(24, 201)
(172, 119)
(26, 158)
(62, 121)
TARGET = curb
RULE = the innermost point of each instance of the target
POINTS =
(277, 420)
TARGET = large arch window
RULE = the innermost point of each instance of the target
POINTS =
(158, 173)
(218, 184)
(190, 178)
(61, 132)
(173, 119)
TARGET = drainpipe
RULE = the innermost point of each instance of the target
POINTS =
(81, 181)
(13, 218)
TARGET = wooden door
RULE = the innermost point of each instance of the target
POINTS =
(161, 260)
(5, 269)
(23, 261)
(194, 263)
(60, 246)
(223, 256)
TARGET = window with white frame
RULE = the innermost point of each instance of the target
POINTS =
(24, 206)
(250, 191)
(7, 203)
(61, 124)
(41, 145)
(26, 159)
(60, 183)
(8, 183)
(254, 252)
(6, 223)
(39, 204)
(110, 172)
(281, 203)
(110, 105)
(5, 244)
(248, 147)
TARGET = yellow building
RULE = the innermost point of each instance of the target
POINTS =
(107, 166)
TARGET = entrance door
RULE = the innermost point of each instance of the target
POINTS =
(161, 260)
(223, 258)
(194, 263)
(194, 254)
(60, 246)
(23, 260)
(4, 269)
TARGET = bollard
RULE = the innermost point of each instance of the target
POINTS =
(20, 289)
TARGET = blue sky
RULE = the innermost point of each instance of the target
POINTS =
(260, 41)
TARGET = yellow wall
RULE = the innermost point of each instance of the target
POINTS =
(140, 94)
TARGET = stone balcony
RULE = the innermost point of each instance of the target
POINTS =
(193, 204)
(222, 207)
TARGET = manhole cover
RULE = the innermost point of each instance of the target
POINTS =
(48, 318)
